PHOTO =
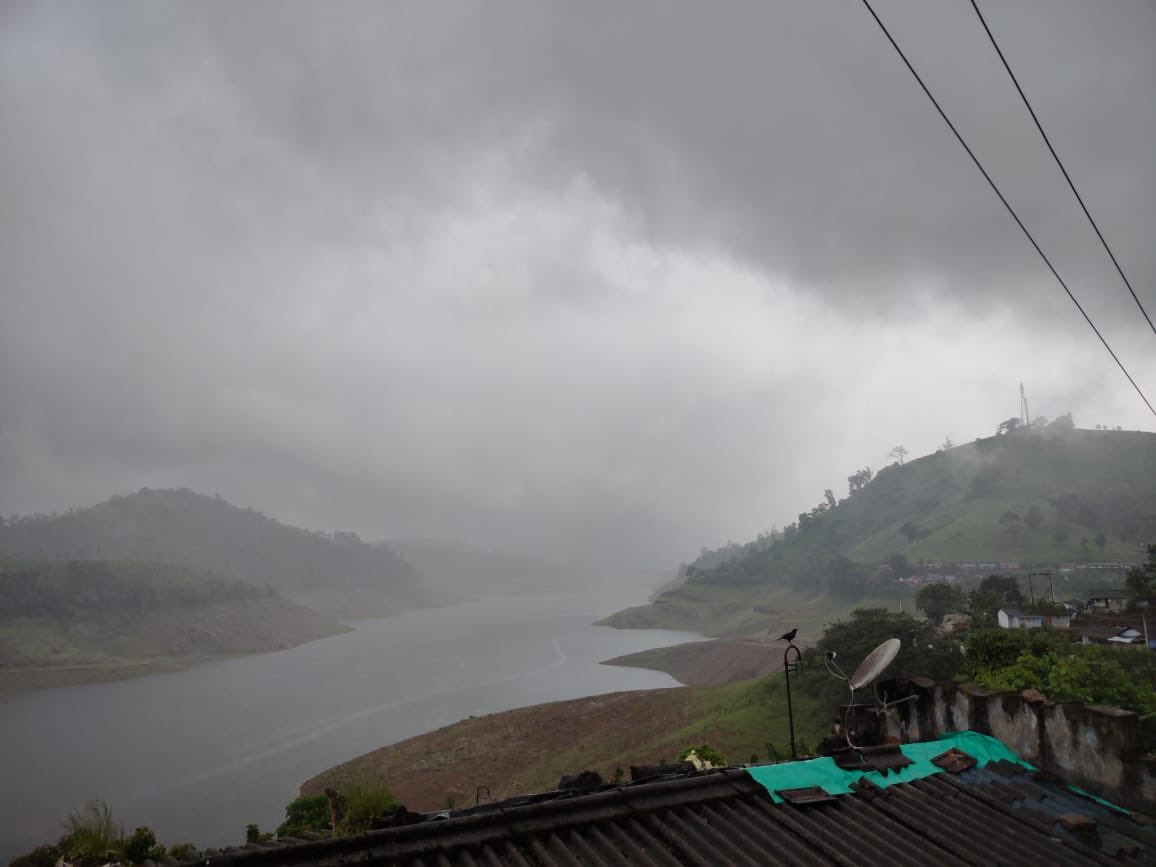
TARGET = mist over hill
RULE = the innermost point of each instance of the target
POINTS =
(203, 532)
(1033, 498)
(464, 568)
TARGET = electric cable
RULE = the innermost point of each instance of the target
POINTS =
(1006, 204)
(1059, 162)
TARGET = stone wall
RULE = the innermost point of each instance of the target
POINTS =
(1092, 747)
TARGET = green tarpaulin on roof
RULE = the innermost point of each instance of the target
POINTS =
(835, 781)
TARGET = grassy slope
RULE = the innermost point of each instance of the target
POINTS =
(1014, 473)
(529, 749)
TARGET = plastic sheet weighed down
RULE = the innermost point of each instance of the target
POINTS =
(832, 779)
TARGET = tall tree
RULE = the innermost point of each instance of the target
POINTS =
(939, 600)
(1012, 524)
(858, 481)
(899, 453)
(1141, 580)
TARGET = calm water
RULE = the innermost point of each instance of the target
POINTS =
(199, 754)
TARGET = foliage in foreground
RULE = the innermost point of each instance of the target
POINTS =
(1014, 659)
(705, 753)
(93, 837)
(358, 808)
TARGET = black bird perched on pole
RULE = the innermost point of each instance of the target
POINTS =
(789, 636)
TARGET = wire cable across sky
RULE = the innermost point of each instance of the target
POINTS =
(1006, 204)
(1059, 162)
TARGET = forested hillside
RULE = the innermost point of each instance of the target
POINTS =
(66, 622)
(206, 533)
(1039, 497)
(1034, 497)
(71, 591)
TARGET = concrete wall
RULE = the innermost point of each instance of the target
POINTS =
(1095, 748)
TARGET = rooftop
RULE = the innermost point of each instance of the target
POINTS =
(963, 799)
(1106, 593)
(1037, 611)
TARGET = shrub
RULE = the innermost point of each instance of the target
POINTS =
(41, 856)
(362, 804)
(310, 813)
(92, 833)
(142, 845)
(359, 806)
(706, 753)
(184, 852)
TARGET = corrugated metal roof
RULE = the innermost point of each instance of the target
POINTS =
(1002, 813)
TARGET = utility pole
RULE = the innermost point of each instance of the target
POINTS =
(788, 667)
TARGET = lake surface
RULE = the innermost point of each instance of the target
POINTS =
(199, 754)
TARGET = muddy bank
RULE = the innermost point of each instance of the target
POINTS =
(519, 751)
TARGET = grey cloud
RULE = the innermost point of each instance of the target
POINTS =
(609, 281)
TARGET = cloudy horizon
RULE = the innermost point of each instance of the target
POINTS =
(606, 283)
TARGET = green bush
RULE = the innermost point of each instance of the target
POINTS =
(142, 845)
(41, 856)
(310, 813)
(1091, 675)
(93, 837)
(184, 852)
(92, 833)
(361, 805)
(706, 753)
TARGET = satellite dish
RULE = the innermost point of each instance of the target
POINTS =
(877, 660)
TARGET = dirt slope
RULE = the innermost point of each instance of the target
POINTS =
(519, 751)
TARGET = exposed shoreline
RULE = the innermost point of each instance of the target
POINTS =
(704, 663)
(527, 749)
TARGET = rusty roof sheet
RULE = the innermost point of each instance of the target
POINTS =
(954, 761)
(979, 816)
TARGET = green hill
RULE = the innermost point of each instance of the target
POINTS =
(1036, 498)
(207, 533)
(77, 621)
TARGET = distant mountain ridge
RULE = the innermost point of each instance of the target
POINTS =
(202, 532)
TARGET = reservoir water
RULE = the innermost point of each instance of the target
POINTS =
(199, 754)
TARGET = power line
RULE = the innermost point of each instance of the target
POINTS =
(1006, 204)
(1060, 163)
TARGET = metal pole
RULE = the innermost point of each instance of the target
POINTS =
(788, 667)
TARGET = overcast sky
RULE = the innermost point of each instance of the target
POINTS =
(608, 280)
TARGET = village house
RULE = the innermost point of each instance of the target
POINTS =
(1034, 618)
(1117, 629)
(1106, 599)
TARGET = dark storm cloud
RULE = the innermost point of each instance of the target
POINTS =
(611, 280)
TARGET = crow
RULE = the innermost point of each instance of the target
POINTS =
(789, 636)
